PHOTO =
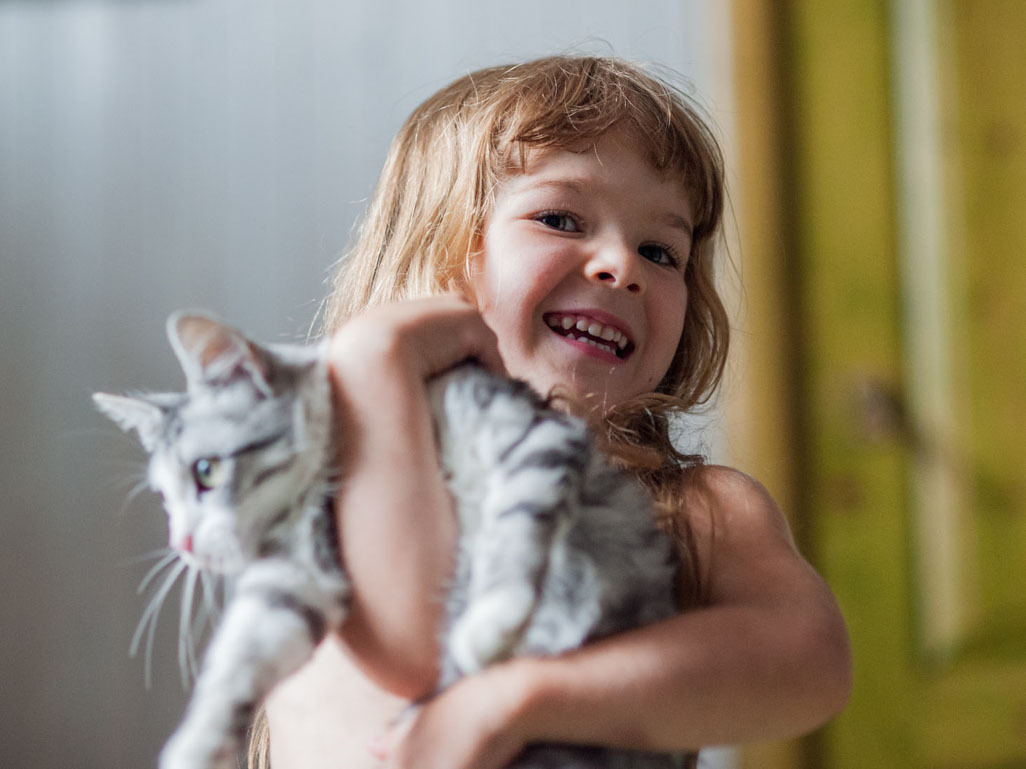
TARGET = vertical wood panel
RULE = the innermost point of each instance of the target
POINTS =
(761, 410)
(855, 473)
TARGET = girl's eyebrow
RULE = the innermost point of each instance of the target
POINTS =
(678, 222)
(567, 185)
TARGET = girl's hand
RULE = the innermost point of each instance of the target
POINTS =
(474, 724)
(419, 337)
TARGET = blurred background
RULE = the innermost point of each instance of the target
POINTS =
(157, 154)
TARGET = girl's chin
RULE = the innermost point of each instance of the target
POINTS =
(561, 369)
(580, 391)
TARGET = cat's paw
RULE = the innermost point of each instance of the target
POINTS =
(182, 753)
(176, 754)
(490, 627)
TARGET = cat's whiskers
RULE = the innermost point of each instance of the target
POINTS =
(168, 557)
(186, 651)
(125, 474)
(206, 613)
(158, 552)
(148, 622)
(194, 618)
(129, 486)
(138, 488)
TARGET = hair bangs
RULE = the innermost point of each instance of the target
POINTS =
(567, 102)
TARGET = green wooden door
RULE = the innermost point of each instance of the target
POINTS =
(907, 192)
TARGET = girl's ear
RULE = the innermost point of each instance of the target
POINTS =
(472, 267)
(212, 353)
(138, 413)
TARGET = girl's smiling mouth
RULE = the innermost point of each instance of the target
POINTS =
(584, 328)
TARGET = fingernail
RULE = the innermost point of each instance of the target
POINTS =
(378, 747)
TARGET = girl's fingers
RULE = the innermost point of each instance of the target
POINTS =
(382, 745)
(424, 336)
(379, 747)
(468, 726)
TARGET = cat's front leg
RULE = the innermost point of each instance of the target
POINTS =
(515, 469)
(527, 503)
(271, 627)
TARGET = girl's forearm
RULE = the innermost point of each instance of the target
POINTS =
(722, 675)
(397, 528)
(397, 532)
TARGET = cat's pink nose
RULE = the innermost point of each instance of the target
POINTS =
(186, 544)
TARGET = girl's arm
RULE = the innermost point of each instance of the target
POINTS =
(391, 499)
(767, 658)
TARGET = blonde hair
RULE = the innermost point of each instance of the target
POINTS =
(428, 213)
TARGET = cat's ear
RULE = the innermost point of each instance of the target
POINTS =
(137, 413)
(212, 353)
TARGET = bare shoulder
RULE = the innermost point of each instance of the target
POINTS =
(742, 539)
(732, 504)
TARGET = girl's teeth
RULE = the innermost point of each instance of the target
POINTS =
(596, 330)
(593, 343)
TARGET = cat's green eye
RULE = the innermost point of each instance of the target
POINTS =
(207, 473)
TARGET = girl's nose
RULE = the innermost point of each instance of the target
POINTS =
(616, 265)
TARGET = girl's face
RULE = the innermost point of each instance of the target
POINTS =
(581, 270)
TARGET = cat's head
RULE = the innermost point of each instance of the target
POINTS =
(229, 455)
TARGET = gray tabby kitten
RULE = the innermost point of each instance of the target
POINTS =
(556, 548)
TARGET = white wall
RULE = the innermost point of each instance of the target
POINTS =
(168, 153)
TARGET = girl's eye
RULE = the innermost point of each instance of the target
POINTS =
(657, 254)
(559, 220)
(207, 473)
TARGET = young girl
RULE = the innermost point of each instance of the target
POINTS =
(519, 205)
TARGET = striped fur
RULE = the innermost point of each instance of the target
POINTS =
(556, 548)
